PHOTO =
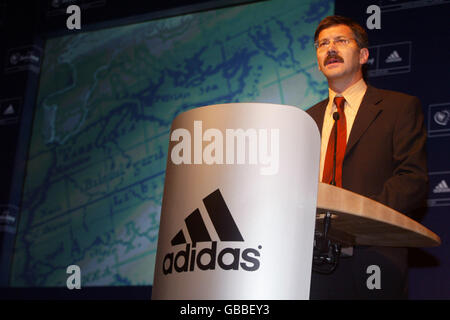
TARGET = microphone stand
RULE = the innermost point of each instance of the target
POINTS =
(327, 219)
(328, 252)
(336, 118)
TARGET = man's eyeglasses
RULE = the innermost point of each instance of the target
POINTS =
(338, 42)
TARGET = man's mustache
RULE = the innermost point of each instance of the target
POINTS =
(333, 57)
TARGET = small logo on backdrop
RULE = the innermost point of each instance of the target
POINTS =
(439, 119)
(389, 59)
(441, 187)
(8, 218)
(228, 258)
(26, 58)
(393, 57)
(439, 193)
(10, 110)
(442, 117)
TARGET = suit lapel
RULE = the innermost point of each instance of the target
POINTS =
(318, 116)
(367, 112)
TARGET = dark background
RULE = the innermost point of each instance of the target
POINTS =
(419, 31)
(426, 26)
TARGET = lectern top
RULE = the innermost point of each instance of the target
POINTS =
(358, 220)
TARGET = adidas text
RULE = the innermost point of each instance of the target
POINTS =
(188, 259)
(257, 148)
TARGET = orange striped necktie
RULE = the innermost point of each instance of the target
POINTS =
(341, 132)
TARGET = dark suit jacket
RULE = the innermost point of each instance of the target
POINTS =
(385, 159)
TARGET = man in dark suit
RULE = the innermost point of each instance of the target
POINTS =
(380, 154)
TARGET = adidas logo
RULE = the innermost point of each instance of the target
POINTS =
(393, 57)
(9, 111)
(228, 258)
(441, 187)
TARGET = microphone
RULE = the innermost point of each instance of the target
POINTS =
(336, 118)
(336, 115)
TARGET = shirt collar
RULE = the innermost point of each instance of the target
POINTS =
(353, 95)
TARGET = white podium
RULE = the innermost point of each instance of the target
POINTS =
(239, 204)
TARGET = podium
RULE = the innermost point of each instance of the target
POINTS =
(242, 201)
(357, 220)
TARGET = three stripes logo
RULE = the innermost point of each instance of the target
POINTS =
(393, 57)
(228, 258)
(441, 187)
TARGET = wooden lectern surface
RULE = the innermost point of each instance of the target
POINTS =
(358, 220)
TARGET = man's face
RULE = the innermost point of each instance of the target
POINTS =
(340, 60)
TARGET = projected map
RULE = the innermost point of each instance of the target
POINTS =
(95, 174)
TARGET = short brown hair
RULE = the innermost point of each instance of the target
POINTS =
(360, 33)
